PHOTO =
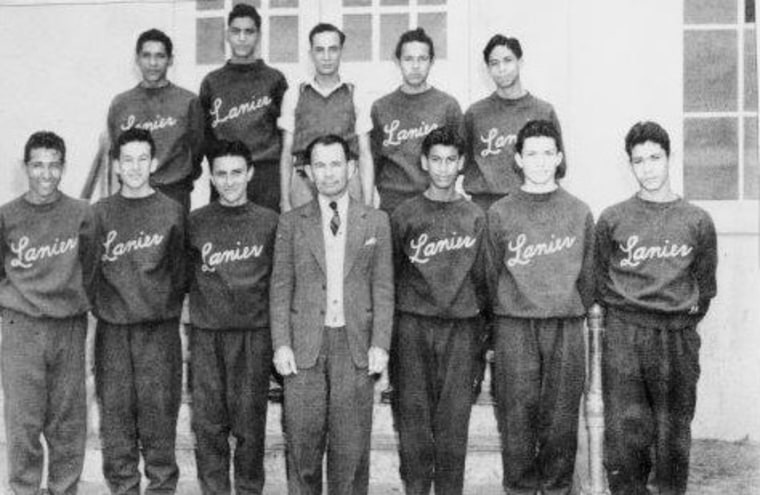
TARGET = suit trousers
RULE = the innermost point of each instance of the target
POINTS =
(138, 380)
(329, 406)
(539, 373)
(434, 364)
(649, 378)
(43, 368)
(230, 382)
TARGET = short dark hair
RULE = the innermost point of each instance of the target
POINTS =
(324, 27)
(539, 128)
(132, 135)
(641, 132)
(444, 136)
(244, 10)
(229, 148)
(513, 44)
(328, 140)
(46, 140)
(154, 35)
(418, 35)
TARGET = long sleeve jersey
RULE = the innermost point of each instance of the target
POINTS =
(230, 257)
(242, 102)
(48, 257)
(174, 118)
(656, 259)
(141, 273)
(440, 257)
(542, 248)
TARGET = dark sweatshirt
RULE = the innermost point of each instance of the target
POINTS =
(174, 118)
(490, 130)
(242, 102)
(657, 260)
(141, 275)
(439, 253)
(230, 256)
(542, 248)
(48, 257)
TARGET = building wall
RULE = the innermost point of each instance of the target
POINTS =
(603, 64)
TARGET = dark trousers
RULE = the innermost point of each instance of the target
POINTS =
(435, 358)
(264, 188)
(329, 405)
(138, 380)
(539, 372)
(43, 370)
(650, 391)
(230, 381)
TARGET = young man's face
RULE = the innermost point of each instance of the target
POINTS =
(650, 165)
(153, 62)
(443, 164)
(134, 166)
(43, 170)
(415, 63)
(539, 160)
(504, 67)
(330, 170)
(243, 36)
(230, 177)
(326, 52)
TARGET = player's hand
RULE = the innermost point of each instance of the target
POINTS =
(285, 361)
(378, 360)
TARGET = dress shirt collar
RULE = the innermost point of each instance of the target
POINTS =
(327, 212)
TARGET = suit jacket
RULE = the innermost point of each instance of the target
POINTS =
(299, 280)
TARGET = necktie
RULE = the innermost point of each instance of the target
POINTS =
(335, 220)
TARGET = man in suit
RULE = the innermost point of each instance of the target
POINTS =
(331, 314)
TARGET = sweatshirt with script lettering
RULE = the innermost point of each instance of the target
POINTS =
(241, 102)
(230, 257)
(440, 257)
(542, 247)
(490, 130)
(141, 271)
(657, 260)
(174, 118)
(400, 123)
(48, 257)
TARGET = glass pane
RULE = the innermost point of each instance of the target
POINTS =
(431, 2)
(710, 71)
(209, 4)
(283, 38)
(209, 40)
(358, 29)
(710, 158)
(709, 12)
(749, 10)
(357, 3)
(394, 2)
(435, 26)
(751, 168)
(274, 4)
(255, 3)
(392, 26)
(750, 71)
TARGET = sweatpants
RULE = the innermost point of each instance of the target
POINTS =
(43, 370)
(649, 379)
(433, 374)
(539, 373)
(138, 381)
(230, 381)
(329, 406)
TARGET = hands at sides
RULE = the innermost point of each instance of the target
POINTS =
(285, 361)
(378, 360)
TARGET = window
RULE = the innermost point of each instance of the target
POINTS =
(720, 100)
(279, 23)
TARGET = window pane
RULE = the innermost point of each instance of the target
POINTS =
(392, 26)
(209, 40)
(710, 71)
(283, 38)
(282, 3)
(435, 25)
(749, 10)
(357, 3)
(209, 4)
(709, 12)
(394, 2)
(751, 168)
(255, 3)
(750, 71)
(710, 158)
(358, 29)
